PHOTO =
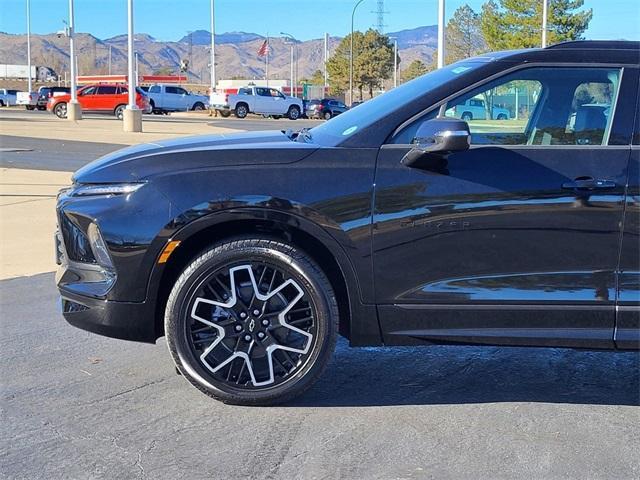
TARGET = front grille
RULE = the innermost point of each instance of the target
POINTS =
(76, 244)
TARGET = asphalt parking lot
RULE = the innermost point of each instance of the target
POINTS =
(79, 406)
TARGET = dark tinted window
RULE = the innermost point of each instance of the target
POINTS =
(173, 90)
(263, 92)
(107, 90)
(89, 91)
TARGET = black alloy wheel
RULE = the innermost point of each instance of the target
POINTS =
(252, 322)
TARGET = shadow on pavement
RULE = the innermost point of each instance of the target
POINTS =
(465, 375)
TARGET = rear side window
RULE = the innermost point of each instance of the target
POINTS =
(107, 90)
(154, 89)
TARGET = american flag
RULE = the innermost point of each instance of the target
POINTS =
(264, 49)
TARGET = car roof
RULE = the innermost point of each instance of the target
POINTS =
(580, 51)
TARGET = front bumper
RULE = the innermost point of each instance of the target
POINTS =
(123, 320)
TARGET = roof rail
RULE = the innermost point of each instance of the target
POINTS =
(597, 44)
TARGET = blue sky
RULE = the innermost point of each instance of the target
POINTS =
(305, 19)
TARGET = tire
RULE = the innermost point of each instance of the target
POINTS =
(466, 116)
(294, 112)
(1, 103)
(327, 115)
(241, 110)
(276, 117)
(224, 113)
(502, 116)
(42, 108)
(119, 112)
(269, 375)
(60, 110)
(198, 106)
(30, 107)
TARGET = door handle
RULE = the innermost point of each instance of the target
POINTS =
(589, 183)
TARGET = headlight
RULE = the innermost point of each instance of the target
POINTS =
(106, 189)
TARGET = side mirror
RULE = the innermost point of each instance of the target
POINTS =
(439, 136)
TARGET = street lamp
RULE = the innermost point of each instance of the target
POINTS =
(213, 49)
(132, 115)
(353, 14)
(74, 112)
(293, 79)
(29, 47)
(545, 8)
(441, 33)
(395, 61)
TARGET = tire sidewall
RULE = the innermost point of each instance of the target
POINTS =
(291, 114)
(176, 317)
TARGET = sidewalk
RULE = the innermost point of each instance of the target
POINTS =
(27, 220)
(103, 130)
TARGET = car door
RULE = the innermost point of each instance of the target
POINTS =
(263, 100)
(516, 240)
(88, 98)
(627, 332)
(183, 102)
(106, 98)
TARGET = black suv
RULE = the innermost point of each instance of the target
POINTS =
(45, 93)
(395, 223)
(326, 108)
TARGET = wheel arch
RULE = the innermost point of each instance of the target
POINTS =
(358, 322)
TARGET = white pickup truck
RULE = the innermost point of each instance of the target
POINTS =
(260, 100)
(171, 98)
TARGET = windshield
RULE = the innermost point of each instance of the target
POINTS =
(369, 112)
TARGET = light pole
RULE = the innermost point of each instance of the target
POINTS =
(294, 90)
(326, 57)
(395, 61)
(132, 115)
(545, 8)
(441, 33)
(29, 47)
(109, 59)
(353, 14)
(213, 49)
(74, 112)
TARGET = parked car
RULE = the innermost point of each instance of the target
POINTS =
(171, 98)
(326, 108)
(104, 98)
(45, 93)
(476, 109)
(260, 100)
(252, 252)
(28, 99)
(8, 97)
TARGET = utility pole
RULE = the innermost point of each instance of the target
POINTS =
(213, 49)
(74, 111)
(294, 61)
(326, 58)
(353, 14)
(441, 27)
(109, 59)
(395, 61)
(30, 86)
(545, 11)
(132, 115)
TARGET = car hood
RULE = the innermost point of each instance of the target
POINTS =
(142, 161)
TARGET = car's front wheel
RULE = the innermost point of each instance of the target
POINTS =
(119, 112)
(252, 322)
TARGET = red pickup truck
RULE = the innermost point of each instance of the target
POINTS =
(100, 98)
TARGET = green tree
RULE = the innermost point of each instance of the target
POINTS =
(372, 62)
(415, 69)
(317, 78)
(464, 35)
(511, 24)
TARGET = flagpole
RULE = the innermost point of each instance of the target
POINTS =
(266, 61)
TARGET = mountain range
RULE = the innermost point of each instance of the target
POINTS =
(236, 53)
